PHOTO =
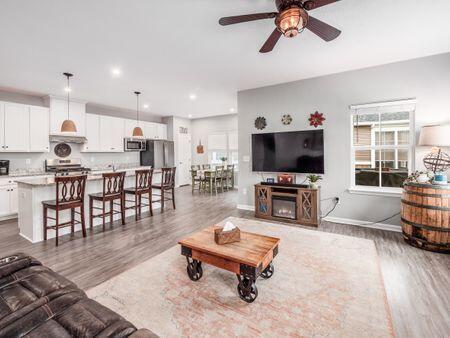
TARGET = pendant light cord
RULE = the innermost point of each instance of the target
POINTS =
(68, 97)
(137, 106)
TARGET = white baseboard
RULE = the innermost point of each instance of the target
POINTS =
(246, 207)
(381, 226)
(28, 239)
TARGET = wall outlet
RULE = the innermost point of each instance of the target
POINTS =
(92, 159)
(28, 161)
(244, 191)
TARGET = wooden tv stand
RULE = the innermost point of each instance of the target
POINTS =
(288, 203)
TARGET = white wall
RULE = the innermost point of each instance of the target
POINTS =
(201, 128)
(427, 79)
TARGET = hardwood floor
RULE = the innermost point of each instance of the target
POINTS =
(416, 281)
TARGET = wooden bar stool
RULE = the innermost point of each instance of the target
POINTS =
(69, 196)
(167, 185)
(112, 191)
(142, 187)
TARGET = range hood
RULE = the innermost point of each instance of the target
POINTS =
(67, 138)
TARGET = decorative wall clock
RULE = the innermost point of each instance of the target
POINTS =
(286, 119)
(316, 119)
(260, 123)
(62, 150)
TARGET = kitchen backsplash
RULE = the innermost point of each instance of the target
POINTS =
(35, 161)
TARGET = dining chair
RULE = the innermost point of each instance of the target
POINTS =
(195, 178)
(206, 166)
(112, 191)
(69, 196)
(219, 177)
(230, 176)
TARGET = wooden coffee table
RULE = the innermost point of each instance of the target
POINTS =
(248, 259)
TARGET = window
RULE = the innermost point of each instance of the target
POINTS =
(382, 145)
(222, 145)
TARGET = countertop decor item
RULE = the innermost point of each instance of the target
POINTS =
(436, 136)
(425, 216)
(260, 123)
(137, 131)
(68, 126)
(286, 179)
(420, 177)
(286, 119)
(316, 119)
(228, 234)
(63, 150)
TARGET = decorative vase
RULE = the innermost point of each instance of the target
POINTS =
(313, 185)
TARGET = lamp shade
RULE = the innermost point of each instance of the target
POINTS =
(137, 132)
(68, 126)
(435, 136)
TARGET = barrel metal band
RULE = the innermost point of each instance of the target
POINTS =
(426, 227)
(425, 206)
(421, 240)
(427, 195)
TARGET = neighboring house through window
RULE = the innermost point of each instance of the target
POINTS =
(382, 144)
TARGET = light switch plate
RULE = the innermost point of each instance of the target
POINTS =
(246, 158)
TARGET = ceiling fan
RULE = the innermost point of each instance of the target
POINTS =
(292, 17)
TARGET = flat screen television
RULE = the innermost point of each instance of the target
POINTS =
(289, 152)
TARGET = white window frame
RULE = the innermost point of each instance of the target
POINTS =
(383, 191)
(228, 149)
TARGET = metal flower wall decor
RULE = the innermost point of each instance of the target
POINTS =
(316, 119)
(286, 119)
(260, 123)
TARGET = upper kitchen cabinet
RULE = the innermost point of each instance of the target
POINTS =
(16, 127)
(161, 131)
(154, 131)
(111, 134)
(92, 134)
(39, 129)
(58, 113)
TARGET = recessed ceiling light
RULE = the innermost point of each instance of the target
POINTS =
(146, 106)
(193, 97)
(67, 89)
(116, 72)
(232, 110)
(190, 116)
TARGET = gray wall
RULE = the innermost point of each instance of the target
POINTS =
(201, 128)
(426, 79)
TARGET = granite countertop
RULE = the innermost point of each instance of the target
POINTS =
(93, 176)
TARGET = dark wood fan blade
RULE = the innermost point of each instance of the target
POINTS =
(313, 4)
(271, 41)
(322, 29)
(231, 20)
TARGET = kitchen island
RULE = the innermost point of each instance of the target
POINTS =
(33, 191)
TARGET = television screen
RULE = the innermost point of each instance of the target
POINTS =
(290, 152)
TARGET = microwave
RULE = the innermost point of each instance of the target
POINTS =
(133, 144)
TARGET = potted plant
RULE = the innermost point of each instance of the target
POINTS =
(224, 160)
(313, 179)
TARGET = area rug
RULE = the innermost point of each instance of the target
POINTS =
(324, 285)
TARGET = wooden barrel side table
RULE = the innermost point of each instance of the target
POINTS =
(426, 216)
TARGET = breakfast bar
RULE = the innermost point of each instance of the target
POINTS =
(32, 192)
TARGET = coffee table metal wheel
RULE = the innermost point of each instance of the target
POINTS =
(247, 289)
(268, 272)
(194, 269)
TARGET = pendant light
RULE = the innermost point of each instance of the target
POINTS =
(68, 126)
(137, 131)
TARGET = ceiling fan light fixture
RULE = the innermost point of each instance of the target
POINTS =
(291, 21)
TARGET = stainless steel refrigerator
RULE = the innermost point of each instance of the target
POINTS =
(159, 154)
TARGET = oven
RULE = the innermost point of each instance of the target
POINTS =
(133, 144)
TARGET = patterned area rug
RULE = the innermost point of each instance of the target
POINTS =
(324, 285)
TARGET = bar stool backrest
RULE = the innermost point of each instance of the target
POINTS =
(143, 179)
(70, 189)
(195, 167)
(168, 177)
(206, 166)
(113, 183)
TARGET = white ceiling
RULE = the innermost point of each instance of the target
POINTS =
(170, 49)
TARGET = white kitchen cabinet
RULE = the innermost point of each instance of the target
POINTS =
(161, 131)
(92, 133)
(13, 200)
(149, 129)
(111, 134)
(16, 128)
(39, 129)
(4, 201)
(58, 113)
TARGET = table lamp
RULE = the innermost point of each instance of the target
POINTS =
(437, 161)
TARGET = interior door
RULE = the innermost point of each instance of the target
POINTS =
(184, 159)
(17, 127)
